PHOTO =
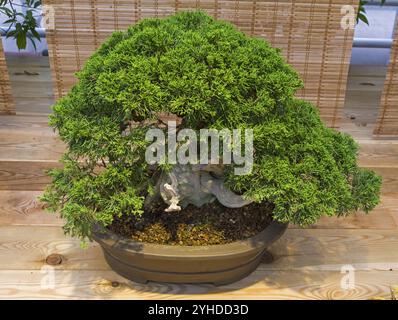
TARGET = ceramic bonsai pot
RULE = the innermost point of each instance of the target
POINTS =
(215, 264)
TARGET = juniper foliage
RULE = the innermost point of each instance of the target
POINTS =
(212, 76)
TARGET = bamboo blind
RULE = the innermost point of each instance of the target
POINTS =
(6, 101)
(387, 124)
(308, 32)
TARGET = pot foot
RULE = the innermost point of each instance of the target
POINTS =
(267, 257)
(138, 280)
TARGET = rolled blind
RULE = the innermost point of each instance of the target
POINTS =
(387, 124)
(6, 100)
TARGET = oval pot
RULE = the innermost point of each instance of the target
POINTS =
(216, 264)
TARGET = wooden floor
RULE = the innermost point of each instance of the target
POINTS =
(308, 261)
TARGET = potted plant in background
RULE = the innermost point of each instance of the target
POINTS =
(204, 221)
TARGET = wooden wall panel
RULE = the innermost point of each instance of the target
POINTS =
(309, 33)
(6, 100)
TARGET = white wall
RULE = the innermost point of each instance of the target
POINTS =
(381, 26)
(10, 45)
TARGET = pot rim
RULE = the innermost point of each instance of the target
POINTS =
(112, 240)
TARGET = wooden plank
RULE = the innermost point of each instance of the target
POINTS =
(384, 216)
(24, 123)
(378, 154)
(390, 179)
(262, 284)
(25, 106)
(25, 175)
(26, 247)
(362, 106)
(308, 285)
(21, 61)
(362, 101)
(23, 208)
(356, 130)
(24, 145)
(44, 145)
(317, 249)
(31, 175)
(33, 74)
(364, 83)
(368, 71)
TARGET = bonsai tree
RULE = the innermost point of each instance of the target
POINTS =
(202, 74)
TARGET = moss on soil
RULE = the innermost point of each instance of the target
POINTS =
(211, 224)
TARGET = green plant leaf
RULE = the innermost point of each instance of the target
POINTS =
(362, 17)
(21, 40)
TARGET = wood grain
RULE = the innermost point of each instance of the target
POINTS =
(34, 76)
(25, 175)
(384, 216)
(21, 208)
(26, 247)
(25, 123)
(379, 155)
(262, 284)
(23, 145)
(31, 175)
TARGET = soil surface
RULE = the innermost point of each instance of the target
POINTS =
(192, 226)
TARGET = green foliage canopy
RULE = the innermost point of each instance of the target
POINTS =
(212, 76)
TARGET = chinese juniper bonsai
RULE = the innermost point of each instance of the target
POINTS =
(209, 75)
